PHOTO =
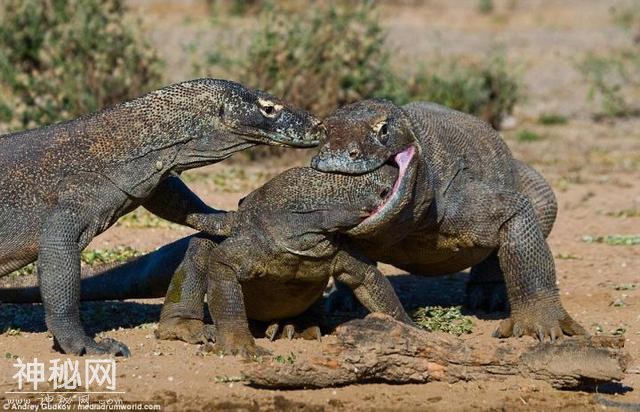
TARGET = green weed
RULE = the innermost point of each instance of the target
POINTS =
(613, 240)
(528, 136)
(440, 319)
(141, 218)
(550, 119)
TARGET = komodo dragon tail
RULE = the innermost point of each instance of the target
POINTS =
(144, 277)
(531, 183)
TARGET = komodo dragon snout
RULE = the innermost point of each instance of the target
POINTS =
(264, 118)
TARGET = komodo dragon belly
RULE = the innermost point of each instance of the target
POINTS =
(285, 289)
(267, 300)
(429, 254)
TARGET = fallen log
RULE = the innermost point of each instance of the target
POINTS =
(380, 349)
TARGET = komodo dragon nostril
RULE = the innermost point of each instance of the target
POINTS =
(353, 153)
(385, 192)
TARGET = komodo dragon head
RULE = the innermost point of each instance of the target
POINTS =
(212, 119)
(263, 118)
(362, 137)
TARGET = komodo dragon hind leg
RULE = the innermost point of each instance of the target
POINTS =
(486, 288)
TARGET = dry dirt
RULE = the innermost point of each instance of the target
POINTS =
(594, 168)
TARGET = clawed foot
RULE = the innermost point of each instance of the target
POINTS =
(240, 344)
(87, 346)
(541, 322)
(288, 331)
(489, 296)
(187, 330)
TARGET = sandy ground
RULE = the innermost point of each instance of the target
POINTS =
(594, 168)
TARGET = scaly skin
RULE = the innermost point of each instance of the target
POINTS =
(283, 246)
(470, 204)
(284, 243)
(61, 185)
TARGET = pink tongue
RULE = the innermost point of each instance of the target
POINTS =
(402, 160)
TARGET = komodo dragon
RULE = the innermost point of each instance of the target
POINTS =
(63, 184)
(465, 203)
(285, 242)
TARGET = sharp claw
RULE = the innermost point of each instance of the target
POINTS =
(289, 332)
(518, 330)
(272, 331)
(540, 334)
(505, 329)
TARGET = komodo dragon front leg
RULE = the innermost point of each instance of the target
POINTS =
(174, 201)
(226, 305)
(182, 313)
(369, 285)
(486, 287)
(69, 229)
(530, 276)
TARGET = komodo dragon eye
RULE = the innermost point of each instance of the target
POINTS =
(269, 109)
(382, 131)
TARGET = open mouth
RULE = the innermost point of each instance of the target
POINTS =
(396, 196)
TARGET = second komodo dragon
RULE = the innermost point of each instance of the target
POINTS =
(284, 244)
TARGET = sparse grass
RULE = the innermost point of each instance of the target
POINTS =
(440, 319)
(625, 286)
(91, 257)
(229, 379)
(232, 178)
(121, 254)
(11, 331)
(625, 213)
(30, 269)
(550, 119)
(567, 256)
(599, 329)
(141, 218)
(619, 302)
(289, 359)
(620, 330)
(527, 136)
(613, 240)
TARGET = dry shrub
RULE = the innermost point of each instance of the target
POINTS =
(62, 58)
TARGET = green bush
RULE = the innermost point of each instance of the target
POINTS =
(614, 76)
(61, 58)
(333, 54)
(611, 77)
(486, 89)
(321, 58)
(550, 119)
(528, 136)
